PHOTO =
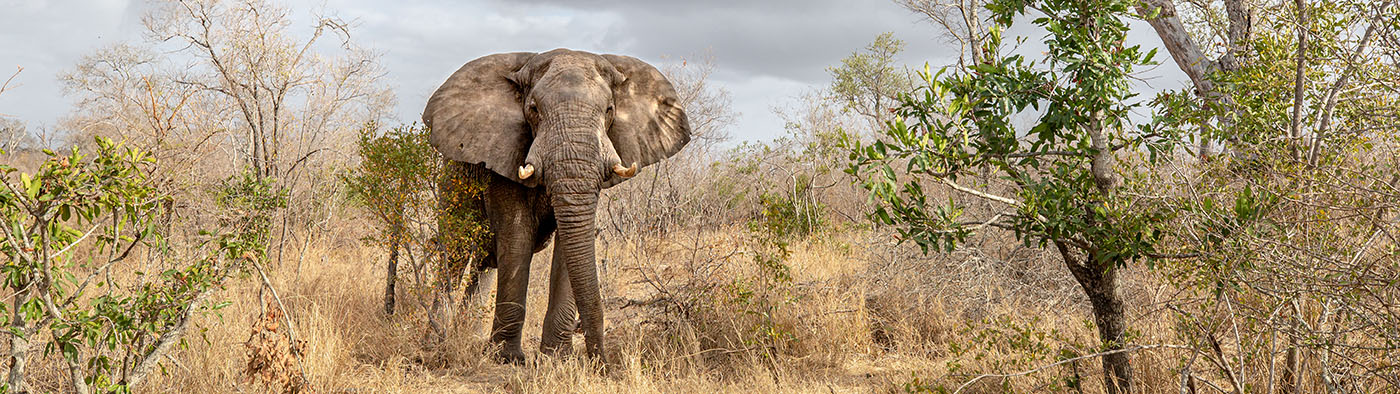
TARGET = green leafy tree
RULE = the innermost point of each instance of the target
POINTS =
(869, 82)
(1294, 229)
(405, 185)
(65, 227)
(1062, 178)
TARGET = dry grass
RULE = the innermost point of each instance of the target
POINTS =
(861, 315)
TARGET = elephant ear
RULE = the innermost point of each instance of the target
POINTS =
(475, 117)
(648, 123)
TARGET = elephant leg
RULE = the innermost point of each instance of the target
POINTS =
(392, 278)
(473, 283)
(456, 201)
(515, 225)
(561, 316)
(512, 281)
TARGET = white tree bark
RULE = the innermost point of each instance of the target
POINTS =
(1164, 18)
(1179, 44)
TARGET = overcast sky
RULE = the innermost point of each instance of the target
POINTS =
(766, 52)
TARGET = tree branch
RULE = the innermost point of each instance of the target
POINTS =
(1330, 102)
(1295, 131)
(166, 340)
(1067, 361)
(978, 193)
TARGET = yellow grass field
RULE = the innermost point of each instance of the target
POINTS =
(850, 329)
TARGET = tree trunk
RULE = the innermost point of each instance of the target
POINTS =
(19, 345)
(1108, 316)
(75, 374)
(1292, 363)
(1187, 54)
(1192, 60)
(1295, 128)
(1100, 284)
(393, 277)
(1240, 31)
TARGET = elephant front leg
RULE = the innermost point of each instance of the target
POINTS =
(512, 282)
(561, 317)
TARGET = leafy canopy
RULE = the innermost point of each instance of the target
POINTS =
(1057, 179)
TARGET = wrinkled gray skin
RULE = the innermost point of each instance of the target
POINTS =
(546, 132)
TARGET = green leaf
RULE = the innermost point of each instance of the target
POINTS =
(31, 186)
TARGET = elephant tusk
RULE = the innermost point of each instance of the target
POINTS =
(625, 172)
(527, 170)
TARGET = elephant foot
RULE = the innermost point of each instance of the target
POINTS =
(561, 349)
(511, 355)
(558, 340)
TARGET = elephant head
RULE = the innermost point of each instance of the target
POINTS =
(572, 122)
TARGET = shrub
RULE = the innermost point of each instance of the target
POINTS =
(66, 227)
(406, 187)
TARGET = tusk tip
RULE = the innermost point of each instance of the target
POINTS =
(625, 172)
(526, 171)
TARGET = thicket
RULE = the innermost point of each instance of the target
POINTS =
(72, 229)
(1277, 245)
(428, 212)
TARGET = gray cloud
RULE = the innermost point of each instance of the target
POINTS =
(46, 37)
(792, 39)
(766, 52)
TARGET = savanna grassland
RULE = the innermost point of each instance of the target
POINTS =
(859, 315)
(220, 209)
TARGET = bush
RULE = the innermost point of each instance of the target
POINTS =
(425, 208)
(253, 201)
(78, 217)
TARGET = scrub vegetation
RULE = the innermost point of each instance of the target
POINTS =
(221, 218)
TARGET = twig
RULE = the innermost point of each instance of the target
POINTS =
(167, 340)
(112, 260)
(1044, 153)
(993, 197)
(6, 86)
(1066, 361)
(1172, 256)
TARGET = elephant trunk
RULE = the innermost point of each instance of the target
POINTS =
(575, 242)
(572, 173)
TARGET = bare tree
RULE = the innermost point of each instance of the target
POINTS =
(289, 98)
(14, 135)
(128, 92)
(709, 108)
(243, 87)
(961, 21)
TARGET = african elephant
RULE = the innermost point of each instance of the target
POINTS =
(546, 132)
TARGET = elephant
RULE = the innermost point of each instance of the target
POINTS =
(545, 133)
